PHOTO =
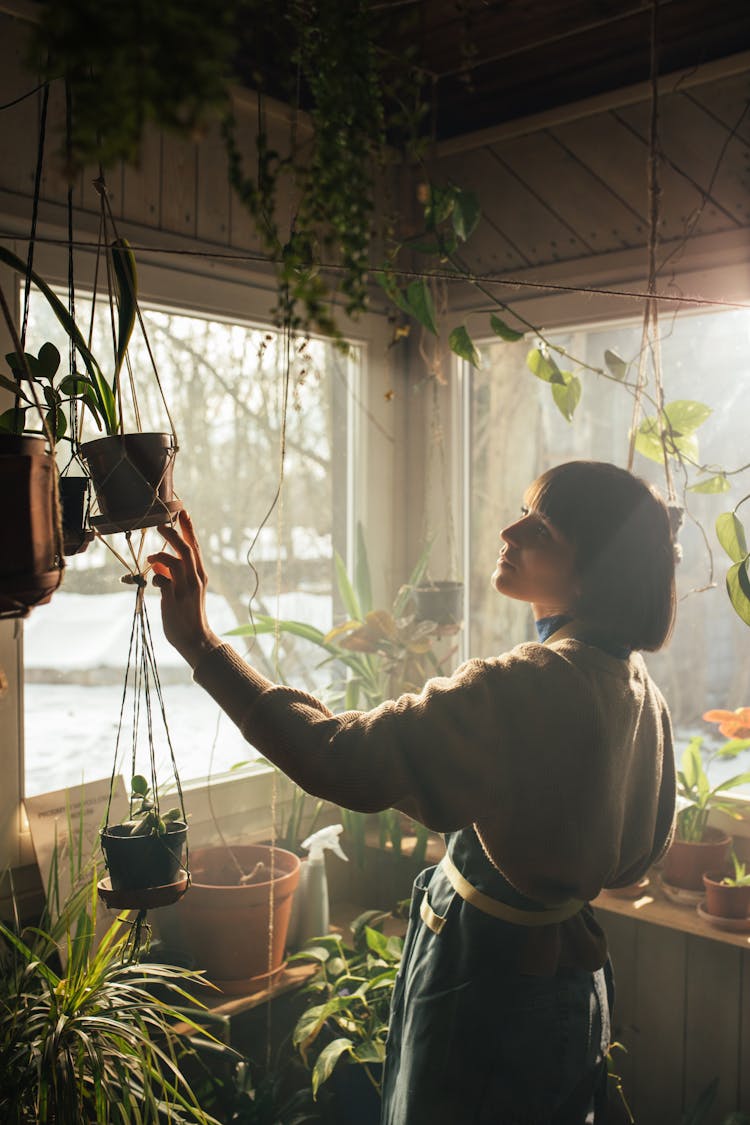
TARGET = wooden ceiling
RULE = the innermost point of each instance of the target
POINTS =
(494, 61)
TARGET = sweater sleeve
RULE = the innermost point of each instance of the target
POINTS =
(451, 755)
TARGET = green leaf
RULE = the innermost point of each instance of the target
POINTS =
(14, 388)
(501, 329)
(462, 344)
(544, 367)
(616, 364)
(126, 279)
(139, 785)
(262, 624)
(387, 282)
(346, 591)
(440, 204)
(49, 361)
(648, 442)
(72, 385)
(717, 483)
(13, 421)
(327, 1060)
(376, 941)
(419, 304)
(738, 588)
(362, 578)
(465, 214)
(567, 395)
(371, 1051)
(731, 534)
(685, 415)
(56, 421)
(733, 747)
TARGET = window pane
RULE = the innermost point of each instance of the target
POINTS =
(225, 385)
(516, 432)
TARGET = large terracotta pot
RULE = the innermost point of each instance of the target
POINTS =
(30, 563)
(225, 926)
(685, 863)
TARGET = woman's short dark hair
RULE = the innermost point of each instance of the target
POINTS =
(619, 526)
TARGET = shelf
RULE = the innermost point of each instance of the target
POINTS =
(654, 907)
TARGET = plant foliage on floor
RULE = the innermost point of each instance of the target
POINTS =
(350, 995)
(97, 1040)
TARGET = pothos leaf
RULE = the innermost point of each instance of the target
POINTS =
(616, 364)
(567, 395)
(717, 483)
(731, 534)
(544, 367)
(501, 329)
(465, 214)
(685, 416)
(327, 1060)
(420, 305)
(13, 421)
(462, 344)
(738, 588)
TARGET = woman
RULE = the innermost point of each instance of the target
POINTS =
(551, 771)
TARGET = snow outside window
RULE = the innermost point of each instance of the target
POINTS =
(224, 385)
(516, 431)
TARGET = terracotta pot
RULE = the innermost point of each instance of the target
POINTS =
(441, 602)
(725, 901)
(30, 566)
(685, 863)
(224, 926)
(132, 478)
(136, 862)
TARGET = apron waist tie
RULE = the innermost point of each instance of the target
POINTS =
(498, 909)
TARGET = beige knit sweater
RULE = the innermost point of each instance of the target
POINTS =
(560, 755)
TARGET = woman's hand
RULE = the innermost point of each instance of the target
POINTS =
(183, 581)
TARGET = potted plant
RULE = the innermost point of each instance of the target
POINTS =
(341, 1035)
(98, 1040)
(238, 895)
(131, 471)
(728, 896)
(441, 601)
(146, 852)
(698, 847)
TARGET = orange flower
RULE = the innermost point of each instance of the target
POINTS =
(732, 724)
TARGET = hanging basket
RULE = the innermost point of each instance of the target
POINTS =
(74, 492)
(144, 870)
(225, 925)
(30, 568)
(441, 602)
(132, 478)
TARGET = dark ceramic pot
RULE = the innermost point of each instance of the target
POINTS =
(441, 602)
(74, 492)
(132, 478)
(136, 862)
(30, 563)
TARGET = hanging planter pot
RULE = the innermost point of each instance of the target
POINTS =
(140, 861)
(74, 493)
(132, 479)
(441, 602)
(30, 564)
(223, 923)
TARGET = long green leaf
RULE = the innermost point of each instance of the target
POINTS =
(420, 305)
(461, 343)
(105, 403)
(362, 577)
(126, 279)
(346, 591)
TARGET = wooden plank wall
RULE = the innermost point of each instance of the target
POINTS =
(682, 1012)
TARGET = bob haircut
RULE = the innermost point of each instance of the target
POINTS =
(620, 530)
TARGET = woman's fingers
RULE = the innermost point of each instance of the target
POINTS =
(186, 524)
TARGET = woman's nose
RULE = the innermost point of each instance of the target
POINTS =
(509, 534)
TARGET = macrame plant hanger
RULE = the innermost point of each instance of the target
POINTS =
(43, 585)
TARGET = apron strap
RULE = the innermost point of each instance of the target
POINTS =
(513, 914)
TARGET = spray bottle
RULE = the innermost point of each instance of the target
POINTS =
(310, 912)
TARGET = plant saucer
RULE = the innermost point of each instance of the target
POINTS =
(141, 898)
(631, 891)
(731, 925)
(163, 511)
(681, 896)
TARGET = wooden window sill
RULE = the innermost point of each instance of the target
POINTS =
(653, 906)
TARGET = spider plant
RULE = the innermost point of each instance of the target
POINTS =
(99, 1041)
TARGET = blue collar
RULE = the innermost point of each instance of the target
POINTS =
(546, 626)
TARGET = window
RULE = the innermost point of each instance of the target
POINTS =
(224, 383)
(515, 431)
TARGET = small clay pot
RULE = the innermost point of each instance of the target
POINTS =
(685, 862)
(441, 602)
(30, 565)
(132, 478)
(722, 899)
(137, 862)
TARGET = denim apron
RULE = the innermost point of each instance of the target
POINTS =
(471, 1039)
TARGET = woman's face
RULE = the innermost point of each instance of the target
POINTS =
(537, 564)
